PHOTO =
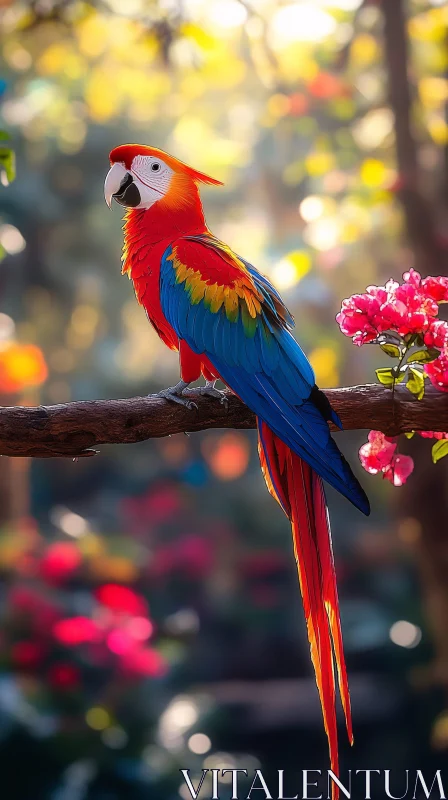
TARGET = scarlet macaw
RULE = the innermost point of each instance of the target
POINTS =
(227, 321)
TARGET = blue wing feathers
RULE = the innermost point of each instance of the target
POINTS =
(268, 371)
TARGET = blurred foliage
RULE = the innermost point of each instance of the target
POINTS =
(286, 102)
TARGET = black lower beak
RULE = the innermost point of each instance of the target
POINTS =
(128, 195)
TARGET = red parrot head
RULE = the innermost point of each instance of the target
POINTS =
(141, 176)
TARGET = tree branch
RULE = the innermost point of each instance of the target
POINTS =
(73, 429)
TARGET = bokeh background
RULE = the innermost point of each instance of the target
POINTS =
(150, 617)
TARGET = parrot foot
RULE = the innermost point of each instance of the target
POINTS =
(176, 395)
(209, 391)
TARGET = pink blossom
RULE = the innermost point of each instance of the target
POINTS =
(412, 277)
(436, 288)
(437, 371)
(437, 334)
(355, 318)
(407, 308)
(399, 469)
(377, 453)
(433, 435)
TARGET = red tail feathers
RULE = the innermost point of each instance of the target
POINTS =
(300, 492)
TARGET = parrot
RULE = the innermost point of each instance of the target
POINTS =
(229, 323)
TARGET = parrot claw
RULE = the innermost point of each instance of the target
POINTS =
(176, 395)
(209, 391)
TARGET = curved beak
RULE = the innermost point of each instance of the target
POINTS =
(114, 178)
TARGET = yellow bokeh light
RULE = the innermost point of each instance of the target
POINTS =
(433, 91)
(365, 49)
(373, 172)
(439, 734)
(291, 269)
(101, 95)
(438, 129)
(98, 718)
(317, 164)
(324, 362)
(278, 105)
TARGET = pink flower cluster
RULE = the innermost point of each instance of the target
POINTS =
(378, 455)
(433, 435)
(410, 307)
(118, 636)
(437, 371)
(120, 628)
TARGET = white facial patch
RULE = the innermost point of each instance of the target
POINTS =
(152, 177)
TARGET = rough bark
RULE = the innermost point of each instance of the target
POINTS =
(73, 429)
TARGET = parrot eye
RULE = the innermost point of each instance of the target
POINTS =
(155, 167)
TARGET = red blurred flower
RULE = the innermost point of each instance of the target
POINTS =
(76, 630)
(326, 86)
(121, 599)
(60, 561)
(264, 596)
(41, 613)
(154, 506)
(140, 628)
(194, 555)
(27, 654)
(24, 599)
(120, 642)
(298, 104)
(163, 562)
(64, 676)
(144, 661)
(265, 562)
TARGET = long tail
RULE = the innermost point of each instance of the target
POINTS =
(300, 492)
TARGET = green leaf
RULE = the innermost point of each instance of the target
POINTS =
(425, 356)
(385, 376)
(391, 350)
(409, 434)
(4, 136)
(413, 338)
(439, 450)
(8, 163)
(416, 383)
